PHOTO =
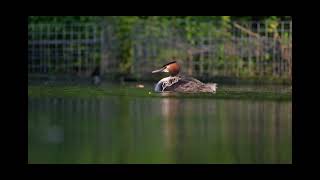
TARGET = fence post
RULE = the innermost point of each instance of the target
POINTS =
(290, 49)
(102, 47)
(274, 51)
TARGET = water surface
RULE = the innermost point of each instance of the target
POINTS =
(125, 129)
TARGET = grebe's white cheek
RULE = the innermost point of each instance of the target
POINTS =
(166, 70)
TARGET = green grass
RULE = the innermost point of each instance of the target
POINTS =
(102, 91)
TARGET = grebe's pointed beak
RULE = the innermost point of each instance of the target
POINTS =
(163, 69)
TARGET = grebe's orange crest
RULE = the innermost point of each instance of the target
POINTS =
(172, 67)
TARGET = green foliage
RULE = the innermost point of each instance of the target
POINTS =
(192, 28)
(123, 28)
(167, 53)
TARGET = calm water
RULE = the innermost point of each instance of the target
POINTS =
(119, 129)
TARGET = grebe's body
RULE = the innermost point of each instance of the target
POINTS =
(179, 83)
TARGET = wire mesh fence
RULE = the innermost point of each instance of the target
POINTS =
(210, 49)
(60, 48)
(247, 49)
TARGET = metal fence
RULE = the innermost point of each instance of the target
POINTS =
(243, 49)
(248, 49)
(63, 48)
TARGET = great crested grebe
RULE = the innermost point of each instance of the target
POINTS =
(178, 83)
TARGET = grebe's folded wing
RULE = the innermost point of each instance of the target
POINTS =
(189, 84)
(188, 78)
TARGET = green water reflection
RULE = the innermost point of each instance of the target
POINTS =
(120, 129)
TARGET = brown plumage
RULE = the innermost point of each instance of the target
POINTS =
(178, 83)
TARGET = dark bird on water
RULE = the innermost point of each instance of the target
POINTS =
(95, 75)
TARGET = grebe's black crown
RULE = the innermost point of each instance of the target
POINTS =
(172, 62)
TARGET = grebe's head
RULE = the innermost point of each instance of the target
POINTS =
(173, 68)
